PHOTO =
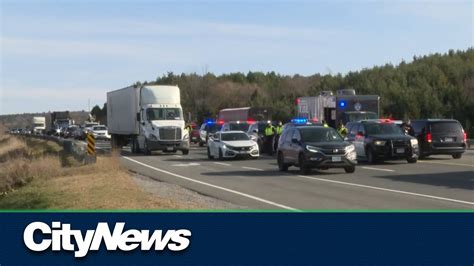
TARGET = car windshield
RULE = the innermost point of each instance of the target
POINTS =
(239, 126)
(99, 128)
(163, 114)
(383, 129)
(320, 134)
(443, 127)
(234, 136)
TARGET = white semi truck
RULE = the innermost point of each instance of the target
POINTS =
(39, 125)
(148, 117)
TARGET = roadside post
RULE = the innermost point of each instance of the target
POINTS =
(91, 152)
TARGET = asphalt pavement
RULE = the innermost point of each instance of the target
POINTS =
(437, 183)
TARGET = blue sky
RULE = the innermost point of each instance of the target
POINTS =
(56, 55)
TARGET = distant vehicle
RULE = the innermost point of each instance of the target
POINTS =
(346, 106)
(256, 132)
(149, 117)
(70, 131)
(231, 144)
(315, 147)
(194, 134)
(100, 132)
(245, 114)
(60, 121)
(381, 139)
(39, 125)
(237, 126)
(208, 128)
(89, 125)
(440, 136)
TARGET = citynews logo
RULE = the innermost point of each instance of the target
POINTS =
(60, 237)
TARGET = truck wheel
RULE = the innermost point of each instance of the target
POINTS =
(146, 151)
(412, 160)
(135, 147)
(457, 156)
(185, 152)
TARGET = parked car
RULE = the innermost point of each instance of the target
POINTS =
(100, 132)
(381, 139)
(208, 128)
(315, 147)
(440, 136)
(231, 144)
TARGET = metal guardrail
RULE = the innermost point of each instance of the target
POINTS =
(77, 149)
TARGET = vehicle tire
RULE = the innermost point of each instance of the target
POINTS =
(281, 163)
(350, 169)
(370, 156)
(304, 169)
(221, 157)
(146, 151)
(457, 156)
(201, 143)
(209, 156)
(412, 160)
(185, 152)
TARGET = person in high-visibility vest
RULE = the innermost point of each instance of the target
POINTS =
(341, 129)
(269, 133)
(278, 131)
(325, 124)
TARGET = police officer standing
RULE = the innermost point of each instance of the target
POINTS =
(278, 130)
(269, 133)
(341, 129)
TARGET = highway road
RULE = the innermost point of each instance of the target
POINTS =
(437, 183)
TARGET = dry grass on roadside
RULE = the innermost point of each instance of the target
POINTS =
(104, 185)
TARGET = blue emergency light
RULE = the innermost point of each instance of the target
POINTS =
(342, 104)
(299, 120)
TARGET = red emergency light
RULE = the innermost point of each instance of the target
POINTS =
(297, 101)
(250, 121)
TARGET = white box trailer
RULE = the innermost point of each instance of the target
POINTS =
(39, 125)
(148, 117)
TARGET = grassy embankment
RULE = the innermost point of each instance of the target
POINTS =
(33, 175)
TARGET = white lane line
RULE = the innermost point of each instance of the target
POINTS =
(215, 186)
(386, 189)
(457, 164)
(378, 169)
(251, 168)
(224, 164)
(178, 156)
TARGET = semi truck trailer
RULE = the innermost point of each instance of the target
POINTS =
(39, 125)
(344, 107)
(148, 117)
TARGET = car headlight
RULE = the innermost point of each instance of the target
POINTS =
(153, 137)
(224, 146)
(312, 148)
(379, 142)
(413, 142)
(255, 147)
(349, 149)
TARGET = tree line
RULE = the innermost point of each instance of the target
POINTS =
(431, 86)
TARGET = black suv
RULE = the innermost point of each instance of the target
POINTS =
(314, 147)
(440, 136)
(381, 139)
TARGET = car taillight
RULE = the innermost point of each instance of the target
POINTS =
(428, 137)
(465, 136)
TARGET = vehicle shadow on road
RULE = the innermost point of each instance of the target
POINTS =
(462, 180)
